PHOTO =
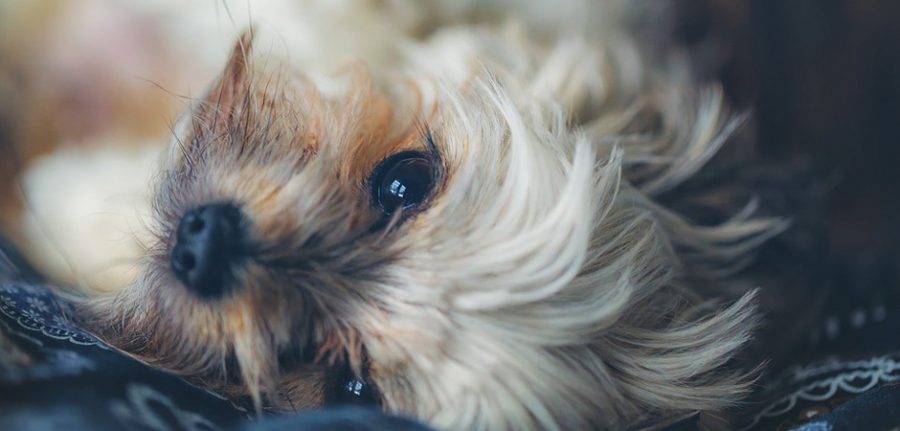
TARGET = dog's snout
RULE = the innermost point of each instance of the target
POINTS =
(208, 242)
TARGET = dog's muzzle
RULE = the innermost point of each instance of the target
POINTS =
(208, 245)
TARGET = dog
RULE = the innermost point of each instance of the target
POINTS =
(463, 227)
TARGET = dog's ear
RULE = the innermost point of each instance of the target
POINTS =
(230, 92)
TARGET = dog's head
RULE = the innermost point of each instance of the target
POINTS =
(467, 251)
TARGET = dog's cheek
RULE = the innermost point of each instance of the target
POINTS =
(303, 388)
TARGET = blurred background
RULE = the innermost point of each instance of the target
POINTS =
(823, 78)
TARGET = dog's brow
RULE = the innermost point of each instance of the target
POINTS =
(429, 143)
(433, 150)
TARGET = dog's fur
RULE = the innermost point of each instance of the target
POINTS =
(540, 285)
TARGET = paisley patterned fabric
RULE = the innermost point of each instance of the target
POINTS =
(55, 375)
(820, 395)
(853, 382)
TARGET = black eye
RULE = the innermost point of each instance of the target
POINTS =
(356, 391)
(347, 388)
(403, 181)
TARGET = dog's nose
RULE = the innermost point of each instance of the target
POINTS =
(208, 242)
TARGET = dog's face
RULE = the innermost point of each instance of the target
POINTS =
(462, 253)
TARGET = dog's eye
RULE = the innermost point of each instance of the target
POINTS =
(347, 388)
(402, 181)
(356, 391)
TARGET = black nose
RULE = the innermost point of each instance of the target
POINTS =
(208, 243)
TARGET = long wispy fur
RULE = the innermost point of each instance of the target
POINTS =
(540, 286)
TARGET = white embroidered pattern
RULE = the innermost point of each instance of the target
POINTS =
(35, 309)
(855, 377)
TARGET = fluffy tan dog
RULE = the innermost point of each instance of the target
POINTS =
(462, 225)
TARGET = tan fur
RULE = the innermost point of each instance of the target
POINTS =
(540, 285)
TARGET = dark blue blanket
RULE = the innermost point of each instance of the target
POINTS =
(54, 375)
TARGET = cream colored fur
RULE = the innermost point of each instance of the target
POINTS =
(542, 288)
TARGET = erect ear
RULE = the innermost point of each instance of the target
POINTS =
(230, 91)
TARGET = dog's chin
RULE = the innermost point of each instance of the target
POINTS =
(287, 357)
